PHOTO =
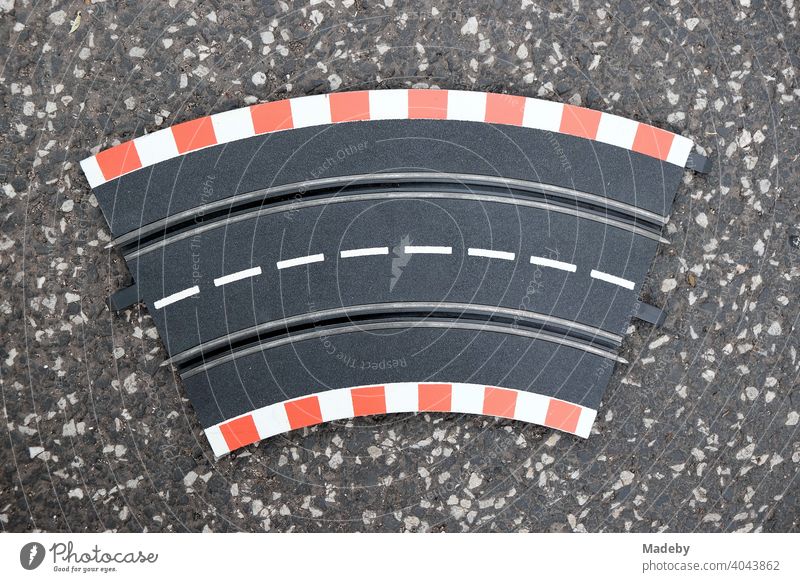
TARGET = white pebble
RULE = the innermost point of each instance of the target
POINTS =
(701, 219)
(471, 27)
(659, 342)
(58, 18)
(668, 285)
(69, 430)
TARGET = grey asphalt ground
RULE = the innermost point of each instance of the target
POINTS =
(699, 433)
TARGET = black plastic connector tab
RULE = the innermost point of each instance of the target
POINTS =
(698, 163)
(124, 298)
(649, 313)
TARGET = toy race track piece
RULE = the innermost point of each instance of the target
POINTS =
(373, 252)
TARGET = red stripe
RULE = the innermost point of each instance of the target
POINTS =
(580, 121)
(273, 116)
(368, 400)
(239, 432)
(505, 109)
(427, 104)
(652, 141)
(303, 412)
(435, 397)
(562, 415)
(193, 135)
(118, 160)
(499, 402)
(350, 106)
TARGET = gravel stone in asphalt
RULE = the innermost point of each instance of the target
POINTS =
(698, 433)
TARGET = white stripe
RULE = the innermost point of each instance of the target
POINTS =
(310, 110)
(388, 104)
(238, 275)
(614, 280)
(175, 297)
(616, 130)
(467, 398)
(233, 125)
(365, 252)
(531, 407)
(545, 262)
(429, 250)
(156, 147)
(679, 150)
(466, 105)
(490, 254)
(335, 404)
(541, 114)
(217, 441)
(401, 397)
(300, 261)
(91, 169)
(585, 422)
(271, 420)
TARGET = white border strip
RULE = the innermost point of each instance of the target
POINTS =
(317, 110)
(403, 397)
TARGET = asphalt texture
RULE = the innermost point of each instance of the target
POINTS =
(698, 433)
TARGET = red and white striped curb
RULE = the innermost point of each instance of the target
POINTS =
(343, 403)
(318, 110)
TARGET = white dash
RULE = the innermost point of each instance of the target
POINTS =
(237, 276)
(175, 297)
(490, 254)
(612, 279)
(300, 261)
(545, 262)
(365, 252)
(411, 250)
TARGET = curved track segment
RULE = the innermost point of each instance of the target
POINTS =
(373, 252)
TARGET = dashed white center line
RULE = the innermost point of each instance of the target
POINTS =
(365, 252)
(490, 254)
(614, 280)
(412, 250)
(300, 261)
(237, 276)
(545, 262)
(175, 297)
